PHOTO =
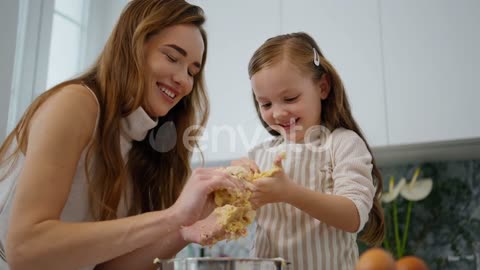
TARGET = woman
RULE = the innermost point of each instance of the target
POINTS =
(82, 187)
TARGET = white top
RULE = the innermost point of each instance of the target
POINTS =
(335, 162)
(134, 127)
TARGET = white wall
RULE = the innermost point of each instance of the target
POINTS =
(235, 30)
(102, 18)
(233, 127)
(8, 28)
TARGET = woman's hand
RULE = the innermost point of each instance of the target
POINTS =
(271, 189)
(246, 163)
(204, 232)
(196, 200)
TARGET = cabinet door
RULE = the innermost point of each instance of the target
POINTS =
(235, 29)
(432, 65)
(348, 34)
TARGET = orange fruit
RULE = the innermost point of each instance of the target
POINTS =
(411, 263)
(376, 259)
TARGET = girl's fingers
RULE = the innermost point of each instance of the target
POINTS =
(278, 161)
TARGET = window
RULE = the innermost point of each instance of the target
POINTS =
(51, 45)
(56, 40)
(67, 43)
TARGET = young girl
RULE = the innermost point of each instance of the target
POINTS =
(310, 213)
(81, 186)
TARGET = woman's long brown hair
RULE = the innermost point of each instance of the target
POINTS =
(336, 113)
(119, 81)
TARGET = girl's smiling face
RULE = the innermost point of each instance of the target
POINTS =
(173, 57)
(289, 100)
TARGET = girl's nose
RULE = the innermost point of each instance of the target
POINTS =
(279, 112)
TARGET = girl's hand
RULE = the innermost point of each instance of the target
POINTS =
(271, 189)
(246, 163)
(196, 200)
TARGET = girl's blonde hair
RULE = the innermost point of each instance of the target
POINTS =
(119, 82)
(297, 48)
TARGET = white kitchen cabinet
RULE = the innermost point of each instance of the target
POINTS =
(432, 64)
(348, 34)
(408, 68)
(235, 29)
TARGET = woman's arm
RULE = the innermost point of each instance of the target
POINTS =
(59, 131)
(163, 248)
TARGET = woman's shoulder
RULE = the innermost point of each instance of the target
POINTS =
(74, 109)
(77, 100)
(75, 97)
(77, 94)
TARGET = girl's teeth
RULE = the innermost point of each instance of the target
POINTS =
(289, 124)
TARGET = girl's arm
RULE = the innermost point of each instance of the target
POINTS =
(337, 211)
(58, 133)
(334, 210)
(348, 206)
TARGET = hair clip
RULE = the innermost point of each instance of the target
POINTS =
(316, 57)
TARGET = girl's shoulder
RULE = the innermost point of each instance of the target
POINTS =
(342, 134)
(345, 141)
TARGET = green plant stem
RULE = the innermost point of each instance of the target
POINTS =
(386, 244)
(407, 223)
(397, 234)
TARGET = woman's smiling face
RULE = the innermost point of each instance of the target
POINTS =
(173, 57)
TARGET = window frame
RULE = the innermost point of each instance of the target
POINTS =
(33, 40)
(34, 33)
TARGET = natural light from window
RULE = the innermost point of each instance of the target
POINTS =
(66, 50)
